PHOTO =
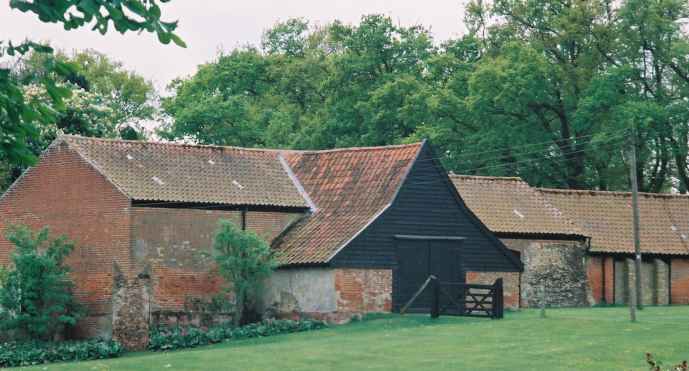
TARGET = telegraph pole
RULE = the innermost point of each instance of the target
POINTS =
(637, 243)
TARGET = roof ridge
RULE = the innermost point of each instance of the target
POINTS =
(486, 177)
(610, 193)
(69, 137)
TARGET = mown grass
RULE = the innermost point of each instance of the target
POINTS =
(568, 339)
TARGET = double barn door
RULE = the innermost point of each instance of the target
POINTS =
(419, 257)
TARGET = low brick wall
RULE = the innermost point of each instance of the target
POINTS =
(363, 290)
(332, 294)
(510, 284)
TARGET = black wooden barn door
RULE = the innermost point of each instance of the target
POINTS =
(417, 258)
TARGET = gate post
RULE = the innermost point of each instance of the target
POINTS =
(435, 306)
(498, 299)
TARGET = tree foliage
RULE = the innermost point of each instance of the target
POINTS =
(552, 91)
(36, 291)
(244, 260)
(100, 99)
(22, 118)
(125, 16)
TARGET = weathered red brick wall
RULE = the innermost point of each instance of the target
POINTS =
(65, 193)
(363, 290)
(609, 268)
(172, 244)
(594, 273)
(679, 281)
(510, 284)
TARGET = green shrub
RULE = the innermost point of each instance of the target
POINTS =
(189, 337)
(35, 352)
(36, 292)
(244, 260)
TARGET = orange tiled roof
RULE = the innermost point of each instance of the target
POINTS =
(345, 189)
(191, 173)
(350, 188)
(607, 218)
(510, 205)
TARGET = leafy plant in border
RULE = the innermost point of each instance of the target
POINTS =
(13, 354)
(172, 338)
(36, 296)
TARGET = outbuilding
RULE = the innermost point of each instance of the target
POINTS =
(356, 230)
(577, 245)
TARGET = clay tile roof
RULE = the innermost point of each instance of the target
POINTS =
(510, 205)
(350, 188)
(607, 219)
(191, 173)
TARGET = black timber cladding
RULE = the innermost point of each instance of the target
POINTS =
(427, 204)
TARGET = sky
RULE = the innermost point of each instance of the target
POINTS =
(211, 26)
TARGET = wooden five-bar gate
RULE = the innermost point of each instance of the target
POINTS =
(462, 299)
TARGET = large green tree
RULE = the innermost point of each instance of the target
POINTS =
(22, 117)
(553, 91)
(102, 100)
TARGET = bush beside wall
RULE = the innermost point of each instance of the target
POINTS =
(15, 354)
(179, 337)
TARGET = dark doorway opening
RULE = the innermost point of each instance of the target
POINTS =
(418, 257)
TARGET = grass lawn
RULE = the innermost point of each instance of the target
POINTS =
(569, 339)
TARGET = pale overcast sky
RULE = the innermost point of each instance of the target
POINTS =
(208, 26)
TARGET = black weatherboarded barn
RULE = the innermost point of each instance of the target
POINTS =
(413, 223)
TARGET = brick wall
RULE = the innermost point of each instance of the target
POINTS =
(363, 290)
(510, 285)
(609, 273)
(679, 281)
(65, 193)
(172, 244)
(595, 276)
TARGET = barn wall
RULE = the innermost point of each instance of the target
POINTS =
(679, 280)
(426, 205)
(172, 245)
(292, 292)
(333, 294)
(363, 290)
(557, 265)
(609, 282)
(595, 272)
(655, 281)
(65, 193)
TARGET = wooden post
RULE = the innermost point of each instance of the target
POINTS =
(542, 299)
(498, 299)
(435, 306)
(635, 215)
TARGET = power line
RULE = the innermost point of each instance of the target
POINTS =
(543, 150)
(616, 133)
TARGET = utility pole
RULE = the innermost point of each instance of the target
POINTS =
(635, 208)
